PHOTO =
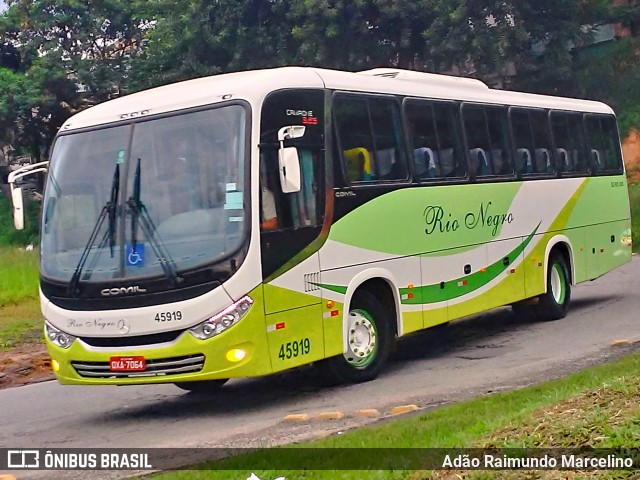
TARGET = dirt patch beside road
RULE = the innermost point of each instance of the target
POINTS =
(24, 365)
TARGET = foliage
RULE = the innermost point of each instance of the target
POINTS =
(8, 234)
(610, 72)
(71, 54)
(59, 57)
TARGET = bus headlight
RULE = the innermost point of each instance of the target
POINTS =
(57, 336)
(223, 320)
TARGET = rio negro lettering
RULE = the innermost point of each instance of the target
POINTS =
(439, 221)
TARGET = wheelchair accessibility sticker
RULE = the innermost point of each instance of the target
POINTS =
(135, 258)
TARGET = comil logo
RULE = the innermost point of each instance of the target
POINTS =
(112, 292)
(23, 459)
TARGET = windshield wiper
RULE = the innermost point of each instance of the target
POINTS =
(108, 210)
(140, 216)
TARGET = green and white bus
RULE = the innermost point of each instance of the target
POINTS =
(248, 223)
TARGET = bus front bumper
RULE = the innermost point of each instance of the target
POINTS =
(241, 351)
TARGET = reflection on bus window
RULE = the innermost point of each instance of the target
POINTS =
(487, 140)
(370, 136)
(435, 140)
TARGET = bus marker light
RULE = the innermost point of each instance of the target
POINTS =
(539, 264)
(55, 365)
(335, 313)
(513, 270)
(483, 269)
(463, 283)
(276, 326)
(330, 304)
(236, 355)
(410, 286)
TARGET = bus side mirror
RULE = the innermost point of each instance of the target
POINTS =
(288, 160)
(18, 208)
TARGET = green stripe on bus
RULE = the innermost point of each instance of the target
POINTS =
(458, 287)
(451, 289)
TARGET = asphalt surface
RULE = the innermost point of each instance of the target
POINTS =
(483, 354)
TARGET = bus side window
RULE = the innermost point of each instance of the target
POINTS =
(523, 139)
(389, 150)
(602, 136)
(370, 138)
(478, 140)
(450, 145)
(542, 141)
(436, 140)
(569, 142)
(355, 137)
(280, 210)
(532, 140)
(424, 140)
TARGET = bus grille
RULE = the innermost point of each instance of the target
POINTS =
(156, 367)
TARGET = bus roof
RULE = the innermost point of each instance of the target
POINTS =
(253, 86)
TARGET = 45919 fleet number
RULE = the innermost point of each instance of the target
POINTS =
(175, 316)
(294, 349)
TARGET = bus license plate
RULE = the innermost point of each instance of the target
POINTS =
(127, 364)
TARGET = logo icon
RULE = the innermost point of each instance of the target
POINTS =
(23, 459)
(135, 257)
(253, 476)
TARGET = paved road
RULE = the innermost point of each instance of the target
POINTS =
(487, 353)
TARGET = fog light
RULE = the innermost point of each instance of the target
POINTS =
(236, 355)
(55, 365)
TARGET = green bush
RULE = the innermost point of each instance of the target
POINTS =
(8, 234)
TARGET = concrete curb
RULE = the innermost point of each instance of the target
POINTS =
(363, 413)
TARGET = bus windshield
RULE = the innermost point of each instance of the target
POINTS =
(156, 197)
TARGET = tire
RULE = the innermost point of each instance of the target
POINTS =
(371, 340)
(205, 386)
(554, 304)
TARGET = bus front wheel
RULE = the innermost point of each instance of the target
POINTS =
(554, 304)
(370, 337)
(204, 386)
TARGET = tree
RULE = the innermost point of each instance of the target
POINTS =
(199, 37)
(72, 54)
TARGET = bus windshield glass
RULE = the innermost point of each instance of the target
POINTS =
(152, 198)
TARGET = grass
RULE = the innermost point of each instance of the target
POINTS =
(20, 324)
(20, 319)
(18, 275)
(596, 407)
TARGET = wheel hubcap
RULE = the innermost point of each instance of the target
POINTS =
(557, 283)
(362, 339)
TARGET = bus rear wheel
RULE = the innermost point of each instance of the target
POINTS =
(204, 386)
(370, 338)
(554, 304)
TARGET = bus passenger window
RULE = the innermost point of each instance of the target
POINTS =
(602, 137)
(436, 142)
(542, 141)
(387, 130)
(478, 140)
(487, 140)
(370, 137)
(569, 142)
(532, 140)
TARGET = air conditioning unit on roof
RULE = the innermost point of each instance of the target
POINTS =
(423, 77)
